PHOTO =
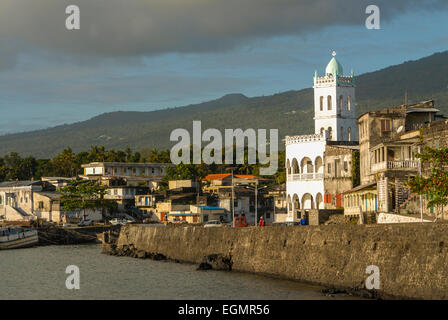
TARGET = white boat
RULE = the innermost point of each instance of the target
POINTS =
(14, 237)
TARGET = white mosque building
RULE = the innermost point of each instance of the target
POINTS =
(335, 121)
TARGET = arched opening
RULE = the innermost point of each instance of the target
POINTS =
(318, 163)
(295, 166)
(322, 130)
(319, 201)
(330, 133)
(321, 103)
(288, 167)
(342, 134)
(307, 201)
(289, 204)
(349, 134)
(306, 165)
(329, 102)
(341, 103)
(295, 203)
(349, 103)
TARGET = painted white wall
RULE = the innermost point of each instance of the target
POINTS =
(299, 150)
(336, 117)
(94, 170)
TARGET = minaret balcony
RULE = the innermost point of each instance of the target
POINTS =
(305, 176)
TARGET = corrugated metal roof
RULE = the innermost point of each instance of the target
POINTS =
(25, 183)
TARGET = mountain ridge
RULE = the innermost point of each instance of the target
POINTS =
(289, 111)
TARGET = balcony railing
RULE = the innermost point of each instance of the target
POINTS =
(305, 176)
(391, 165)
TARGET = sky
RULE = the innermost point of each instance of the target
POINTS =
(143, 55)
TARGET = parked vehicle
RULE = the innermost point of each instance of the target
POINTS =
(86, 222)
(117, 221)
(69, 225)
(179, 221)
(240, 222)
(213, 223)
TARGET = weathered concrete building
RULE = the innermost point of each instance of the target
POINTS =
(30, 200)
(134, 174)
(338, 173)
(389, 140)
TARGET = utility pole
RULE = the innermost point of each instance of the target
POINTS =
(233, 200)
(233, 203)
(421, 198)
(256, 203)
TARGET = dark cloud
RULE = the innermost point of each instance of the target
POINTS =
(124, 28)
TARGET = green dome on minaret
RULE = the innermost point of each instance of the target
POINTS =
(334, 67)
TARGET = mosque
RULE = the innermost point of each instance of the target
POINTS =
(318, 166)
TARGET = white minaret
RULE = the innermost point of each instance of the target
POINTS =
(334, 103)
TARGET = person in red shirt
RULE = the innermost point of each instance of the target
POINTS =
(262, 223)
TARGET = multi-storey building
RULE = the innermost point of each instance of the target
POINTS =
(133, 174)
(389, 141)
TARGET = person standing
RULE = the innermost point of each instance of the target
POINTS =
(262, 222)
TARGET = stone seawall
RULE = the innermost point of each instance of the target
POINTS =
(412, 258)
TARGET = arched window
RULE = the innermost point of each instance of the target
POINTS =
(322, 103)
(349, 134)
(349, 103)
(341, 103)
(329, 102)
(342, 133)
(322, 130)
(330, 133)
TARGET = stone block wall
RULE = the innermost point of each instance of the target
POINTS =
(412, 258)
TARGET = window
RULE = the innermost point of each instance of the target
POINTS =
(329, 102)
(235, 203)
(321, 103)
(342, 133)
(329, 168)
(345, 166)
(330, 133)
(349, 103)
(115, 192)
(386, 125)
(341, 103)
(41, 205)
(322, 130)
(349, 134)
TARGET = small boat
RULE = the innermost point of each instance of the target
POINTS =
(14, 237)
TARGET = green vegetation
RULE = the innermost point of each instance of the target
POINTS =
(86, 195)
(68, 164)
(291, 112)
(356, 171)
(434, 184)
